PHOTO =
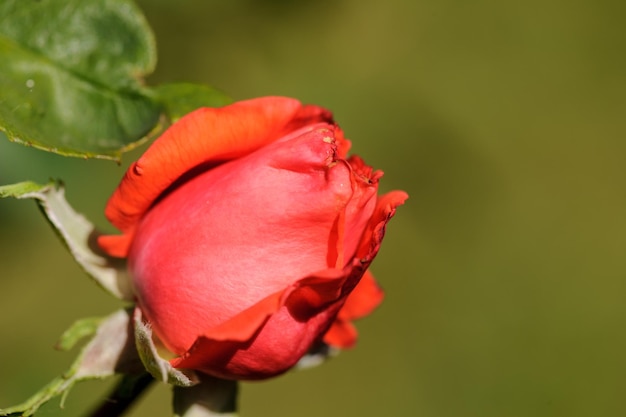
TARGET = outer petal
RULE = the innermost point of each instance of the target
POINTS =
(365, 297)
(205, 136)
(362, 301)
(359, 211)
(342, 334)
(306, 310)
(375, 231)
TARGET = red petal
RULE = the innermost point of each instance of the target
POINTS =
(203, 136)
(312, 294)
(375, 231)
(359, 211)
(343, 144)
(241, 328)
(342, 334)
(271, 336)
(115, 245)
(365, 297)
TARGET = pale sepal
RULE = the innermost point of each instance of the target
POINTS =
(158, 367)
(110, 351)
(211, 397)
(78, 234)
(317, 355)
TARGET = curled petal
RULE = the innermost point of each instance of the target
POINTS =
(373, 235)
(271, 336)
(366, 296)
(218, 344)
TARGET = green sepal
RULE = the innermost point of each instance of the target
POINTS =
(158, 367)
(110, 351)
(179, 99)
(78, 234)
(79, 330)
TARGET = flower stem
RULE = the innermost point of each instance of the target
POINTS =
(212, 397)
(128, 389)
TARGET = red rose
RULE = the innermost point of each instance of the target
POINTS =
(248, 233)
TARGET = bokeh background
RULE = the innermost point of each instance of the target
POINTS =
(505, 272)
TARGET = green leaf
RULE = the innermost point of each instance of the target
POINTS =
(24, 189)
(77, 233)
(110, 351)
(179, 99)
(70, 76)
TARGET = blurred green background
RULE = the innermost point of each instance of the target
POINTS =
(505, 273)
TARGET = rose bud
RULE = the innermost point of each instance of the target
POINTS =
(248, 233)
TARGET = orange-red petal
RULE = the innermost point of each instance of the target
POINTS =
(207, 135)
(272, 335)
(365, 297)
(362, 301)
(373, 235)
(239, 329)
(342, 334)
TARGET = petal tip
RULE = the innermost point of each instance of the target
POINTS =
(116, 246)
